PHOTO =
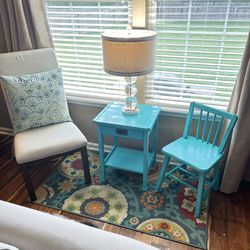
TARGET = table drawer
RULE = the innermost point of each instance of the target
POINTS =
(122, 132)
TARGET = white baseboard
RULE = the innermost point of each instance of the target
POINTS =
(6, 131)
(91, 145)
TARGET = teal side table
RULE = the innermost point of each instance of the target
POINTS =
(112, 122)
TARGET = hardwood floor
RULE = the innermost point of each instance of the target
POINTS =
(229, 214)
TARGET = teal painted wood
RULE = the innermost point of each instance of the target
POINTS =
(112, 122)
(189, 120)
(227, 134)
(205, 127)
(162, 173)
(216, 137)
(193, 152)
(121, 131)
(121, 154)
(116, 140)
(110, 154)
(112, 115)
(199, 125)
(145, 160)
(212, 110)
(155, 138)
(210, 185)
(200, 152)
(199, 194)
(101, 154)
(211, 129)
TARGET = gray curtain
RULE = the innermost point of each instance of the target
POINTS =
(239, 149)
(23, 25)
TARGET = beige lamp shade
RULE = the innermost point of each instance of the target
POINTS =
(128, 52)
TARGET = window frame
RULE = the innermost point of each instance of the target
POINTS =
(172, 107)
(136, 4)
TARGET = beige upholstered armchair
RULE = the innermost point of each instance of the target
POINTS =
(47, 141)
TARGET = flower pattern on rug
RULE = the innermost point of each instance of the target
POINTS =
(103, 202)
(133, 221)
(72, 166)
(168, 213)
(187, 200)
(164, 228)
(152, 200)
(44, 192)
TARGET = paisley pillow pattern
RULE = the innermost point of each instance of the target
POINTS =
(35, 100)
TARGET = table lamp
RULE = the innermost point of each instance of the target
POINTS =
(129, 53)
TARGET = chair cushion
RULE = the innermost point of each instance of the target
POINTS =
(35, 100)
(39, 143)
(27, 62)
(193, 152)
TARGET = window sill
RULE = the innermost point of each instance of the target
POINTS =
(91, 102)
(102, 103)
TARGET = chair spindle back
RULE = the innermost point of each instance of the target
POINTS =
(210, 134)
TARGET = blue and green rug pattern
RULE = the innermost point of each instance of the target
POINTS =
(167, 214)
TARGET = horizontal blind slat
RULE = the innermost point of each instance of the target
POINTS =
(76, 28)
(199, 49)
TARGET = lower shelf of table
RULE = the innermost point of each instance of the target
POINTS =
(127, 159)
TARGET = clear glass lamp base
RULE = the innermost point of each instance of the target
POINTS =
(130, 107)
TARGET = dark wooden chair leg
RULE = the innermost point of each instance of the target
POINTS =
(28, 182)
(85, 163)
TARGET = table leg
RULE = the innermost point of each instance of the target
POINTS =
(116, 141)
(155, 141)
(145, 160)
(101, 156)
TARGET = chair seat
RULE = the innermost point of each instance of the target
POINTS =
(193, 152)
(39, 143)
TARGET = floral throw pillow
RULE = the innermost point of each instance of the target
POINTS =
(35, 100)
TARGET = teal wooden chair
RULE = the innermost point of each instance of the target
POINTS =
(201, 152)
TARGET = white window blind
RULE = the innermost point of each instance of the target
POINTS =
(200, 44)
(76, 28)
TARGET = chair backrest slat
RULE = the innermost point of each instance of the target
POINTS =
(199, 124)
(218, 131)
(188, 120)
(218, 112)
(211, 130)
(205, 127)
(227, 134)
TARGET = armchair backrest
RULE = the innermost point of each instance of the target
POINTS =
(21, 63)
(210, 134)
(28, 62)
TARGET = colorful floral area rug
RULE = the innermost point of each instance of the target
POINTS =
(167, 214)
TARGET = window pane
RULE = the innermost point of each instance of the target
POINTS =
(76, 28)
(199, 49)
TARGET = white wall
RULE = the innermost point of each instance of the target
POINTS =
(170, 128)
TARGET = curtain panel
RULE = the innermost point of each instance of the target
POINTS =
(23, 25)
(239, 149)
